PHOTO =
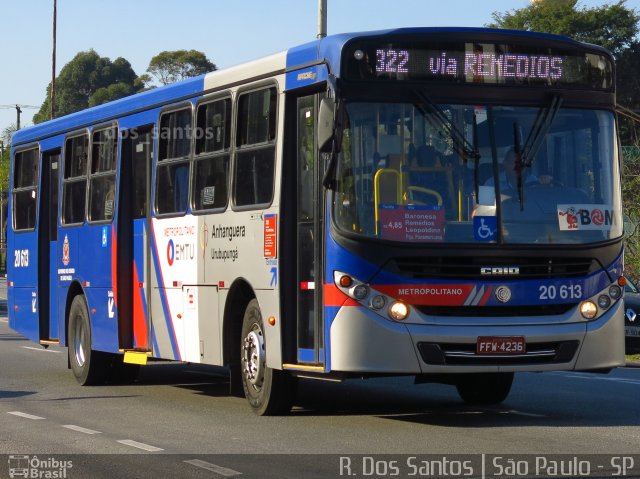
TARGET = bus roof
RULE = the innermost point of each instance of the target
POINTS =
(326, 50)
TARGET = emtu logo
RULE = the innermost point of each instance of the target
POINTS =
(171, 252)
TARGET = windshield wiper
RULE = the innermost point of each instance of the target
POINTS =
(526, 154)
(518, 164)
(539, 130)
(460, 144)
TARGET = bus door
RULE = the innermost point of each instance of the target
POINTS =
(134, 315)
(48, 247)
(309, 234)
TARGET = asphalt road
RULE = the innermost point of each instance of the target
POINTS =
(182, 412)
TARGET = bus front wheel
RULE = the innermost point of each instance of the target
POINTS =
(269, 391)
(87, 365)
(487, 388)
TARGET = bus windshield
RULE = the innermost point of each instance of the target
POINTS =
(454, 173)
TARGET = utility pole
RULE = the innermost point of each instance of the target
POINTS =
(322, 18)
(53, 63)
(18, 112)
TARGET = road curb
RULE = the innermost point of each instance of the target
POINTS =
(633, 364)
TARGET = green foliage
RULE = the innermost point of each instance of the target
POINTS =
(171, 66)
(4, 168)
(611, 26)
(5, 151)
(110, 93)
(83, 77)
(631, 208)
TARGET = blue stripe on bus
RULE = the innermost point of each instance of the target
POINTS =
(142, 101)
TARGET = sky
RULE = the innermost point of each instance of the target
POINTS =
(227, 31)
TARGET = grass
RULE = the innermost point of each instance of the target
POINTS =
(633, 357)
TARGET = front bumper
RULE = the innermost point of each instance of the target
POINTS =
(362, 341)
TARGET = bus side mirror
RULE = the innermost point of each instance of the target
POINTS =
(326, 124)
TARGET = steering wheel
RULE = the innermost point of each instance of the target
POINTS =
(426, 191)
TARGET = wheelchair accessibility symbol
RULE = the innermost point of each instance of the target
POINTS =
(485, 228)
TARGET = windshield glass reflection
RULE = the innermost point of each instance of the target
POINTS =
(424, 173)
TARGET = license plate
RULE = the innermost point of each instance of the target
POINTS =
(633, 331)
(501, 345)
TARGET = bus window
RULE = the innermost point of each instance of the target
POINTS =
(75, 179)
(211, 165)
(102, 180)
(255, 158)
(25, 184)
(172, 183)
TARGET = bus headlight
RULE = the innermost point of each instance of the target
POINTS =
(398, 311)
(615, 292)
(360, 292)
(604, 301)
(372, 299)
(588, 309)
(378, 302)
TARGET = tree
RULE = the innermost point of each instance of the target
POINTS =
(110, 93)
(171, 66)
(614, 27)
(82, 77)
(5, 138)
(611, 26)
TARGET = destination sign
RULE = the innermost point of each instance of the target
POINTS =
(488, 63)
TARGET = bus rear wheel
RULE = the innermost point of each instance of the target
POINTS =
(87, 365)
(484, 388)
(269, 391)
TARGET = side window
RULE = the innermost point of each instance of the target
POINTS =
(255, 156)
(172, 175)
(25, 189)
(102, 178)
(74, 184)
(211, 165)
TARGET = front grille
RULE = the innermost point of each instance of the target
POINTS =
(464, 354)
(495, 311)
(439, 267)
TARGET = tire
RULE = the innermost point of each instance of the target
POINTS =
(88, 366)
(485, 389)
(269, 391)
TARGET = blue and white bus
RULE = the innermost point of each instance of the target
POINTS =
(437, 202)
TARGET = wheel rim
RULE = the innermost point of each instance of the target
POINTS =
(253, 357)
(78, 342)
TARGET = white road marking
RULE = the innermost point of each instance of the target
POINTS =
(81, 429)
(509, 411)
(25, 415)
(42, 350)
(140, 445)
(529, 414)
(223, 471)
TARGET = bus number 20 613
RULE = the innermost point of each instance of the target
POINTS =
(565, 291)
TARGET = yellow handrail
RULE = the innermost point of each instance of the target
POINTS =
(376, 190)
